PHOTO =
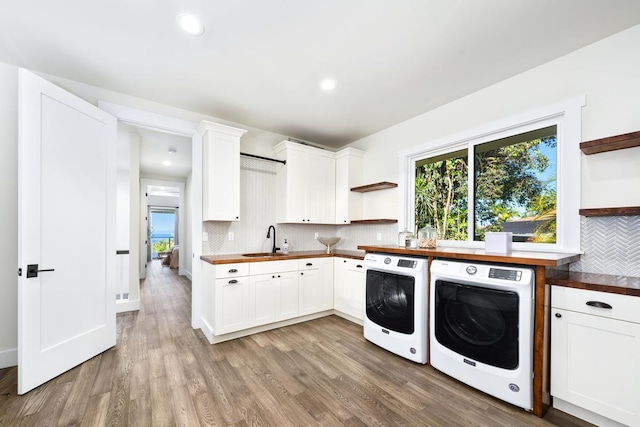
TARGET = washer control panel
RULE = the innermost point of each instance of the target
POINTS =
(499, 273)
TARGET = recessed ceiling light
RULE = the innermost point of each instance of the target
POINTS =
(172, 150)
(166, 163)
(190, 24)
(328, 84)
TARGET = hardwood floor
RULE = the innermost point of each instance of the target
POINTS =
(319, 373)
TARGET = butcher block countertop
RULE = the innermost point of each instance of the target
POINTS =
(236, 258)
(546, 259)
(623, 285)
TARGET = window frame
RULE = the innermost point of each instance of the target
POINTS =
(567, 116)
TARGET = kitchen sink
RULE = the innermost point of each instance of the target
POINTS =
(262, 254)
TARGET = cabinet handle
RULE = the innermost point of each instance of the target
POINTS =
(599, 304)
(233, 270)
(301, 273)
(309, 264)
(558, 315)
(233, 282)
(359, 266)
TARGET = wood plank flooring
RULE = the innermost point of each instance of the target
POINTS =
(319, 373)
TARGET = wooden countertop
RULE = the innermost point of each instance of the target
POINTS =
(546, 259)
(239, 258)
(623, 285)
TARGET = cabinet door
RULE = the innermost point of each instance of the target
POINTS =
(340, 288)
(321, 189)
(310, 288)
(348, 175)
(287, 300)
(296, 187)
(594, 364)
(232, 305)
(355, 285)
(262, 299)
(221, 177)
(349, 287)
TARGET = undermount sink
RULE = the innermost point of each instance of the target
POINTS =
(261, 254)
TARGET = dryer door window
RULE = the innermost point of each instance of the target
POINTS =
(478, 323)
(390, 301)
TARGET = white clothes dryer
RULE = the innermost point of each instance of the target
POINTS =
(481, 319)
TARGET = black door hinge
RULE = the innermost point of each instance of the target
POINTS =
(19, 272)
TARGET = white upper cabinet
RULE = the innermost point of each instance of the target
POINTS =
(305, 192)
(348, 175)
(220, 172)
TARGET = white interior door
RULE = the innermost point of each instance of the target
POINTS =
(67, 190)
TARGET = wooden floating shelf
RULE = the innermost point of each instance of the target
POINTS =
(373, 187)
(375, 221)
(619, 142)
(626, 211)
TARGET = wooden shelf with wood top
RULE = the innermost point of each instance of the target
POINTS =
(623, 211)
(374, 187)
(612, 143)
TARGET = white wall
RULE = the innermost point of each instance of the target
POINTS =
(122, 210)
(187, 240)
(9, 216)
(607, 72)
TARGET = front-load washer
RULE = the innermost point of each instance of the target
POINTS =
(481, 319)
(396, 304)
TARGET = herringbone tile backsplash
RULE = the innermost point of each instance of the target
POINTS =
(611, 245)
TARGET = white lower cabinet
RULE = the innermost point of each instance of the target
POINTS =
(349, 282)
(262, 299)
(315, 285)
(595, 344)
(231, 305)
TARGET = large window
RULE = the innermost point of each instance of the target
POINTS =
(521, 177)
(514, 189)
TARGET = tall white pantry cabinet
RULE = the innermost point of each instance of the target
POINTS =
(220, 172)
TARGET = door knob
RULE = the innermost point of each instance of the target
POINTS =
(32, 270)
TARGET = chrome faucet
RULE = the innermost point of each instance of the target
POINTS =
(273, 249)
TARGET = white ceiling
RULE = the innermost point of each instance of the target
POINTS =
(259, 62)
(154, 150)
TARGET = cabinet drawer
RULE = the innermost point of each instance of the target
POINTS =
(309, 263)
(231, 270)
(622, 307)
(269, 267)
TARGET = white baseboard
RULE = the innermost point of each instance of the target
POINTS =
(187, 274)
(8, 358)
(584, 414)
(123, 306)
(348, 317)
(213, 339)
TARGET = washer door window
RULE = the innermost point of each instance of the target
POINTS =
(390, 301)
(478, 323)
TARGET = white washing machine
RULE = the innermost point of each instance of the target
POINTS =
(481, 319)
(396, 304)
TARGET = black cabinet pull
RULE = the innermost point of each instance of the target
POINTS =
(558, 315)
(309, 264)
(599, 304)
(359, 266)
(301, 273)
(233, 270)
(233, 281)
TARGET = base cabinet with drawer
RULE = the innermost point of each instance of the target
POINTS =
(595, 345)
(248, 295)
